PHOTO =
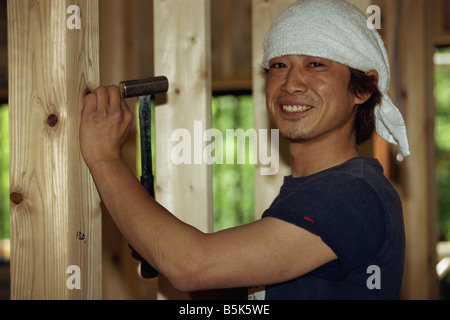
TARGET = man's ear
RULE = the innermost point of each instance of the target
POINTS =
(363, 97)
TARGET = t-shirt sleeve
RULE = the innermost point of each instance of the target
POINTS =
(343, 210)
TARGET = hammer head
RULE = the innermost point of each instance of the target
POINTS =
(144, 87)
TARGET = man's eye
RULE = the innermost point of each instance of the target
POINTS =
(277, 65)
(315, 64)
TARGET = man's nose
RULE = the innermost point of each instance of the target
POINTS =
(295, 81)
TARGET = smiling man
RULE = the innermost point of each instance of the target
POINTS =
(310, 101)
(336, 218)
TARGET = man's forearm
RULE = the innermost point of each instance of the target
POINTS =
(144, 223)
(124, 198)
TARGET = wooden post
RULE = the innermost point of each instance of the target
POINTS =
(183, 54)
(408, 33)
(55, 209)
(419, 191)
(267, 187)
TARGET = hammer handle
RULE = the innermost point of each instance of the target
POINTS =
(144, 89)
(147, 180)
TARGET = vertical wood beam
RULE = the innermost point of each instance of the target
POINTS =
(264, 13)
(413, 63)
(419, 171)
(183, 54)
(55, 211)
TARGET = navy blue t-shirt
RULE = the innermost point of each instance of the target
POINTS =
(358, 214)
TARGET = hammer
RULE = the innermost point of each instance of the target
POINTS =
(144, 89)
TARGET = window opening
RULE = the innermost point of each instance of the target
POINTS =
(233, 184)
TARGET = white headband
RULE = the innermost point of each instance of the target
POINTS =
(337, 31)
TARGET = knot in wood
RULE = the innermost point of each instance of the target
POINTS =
(16, 198)
(52, 120)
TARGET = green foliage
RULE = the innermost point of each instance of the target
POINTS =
(4, 173)
(442, 95)
(233, 184)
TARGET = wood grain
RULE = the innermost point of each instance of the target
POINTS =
(58, 221)
(183, 54)
(419, 192)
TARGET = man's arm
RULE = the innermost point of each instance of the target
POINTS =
(267, 251)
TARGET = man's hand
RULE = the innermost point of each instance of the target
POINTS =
(105, 124)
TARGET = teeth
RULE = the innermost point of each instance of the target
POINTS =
(295, 108)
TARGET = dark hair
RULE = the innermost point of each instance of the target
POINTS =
(364, 124)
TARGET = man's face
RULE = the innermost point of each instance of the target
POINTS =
(308, 97)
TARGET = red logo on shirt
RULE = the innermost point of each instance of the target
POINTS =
(308, 219)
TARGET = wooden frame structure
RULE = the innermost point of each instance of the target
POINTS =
(55, 210)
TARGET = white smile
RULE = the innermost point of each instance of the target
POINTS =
(294, 109)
